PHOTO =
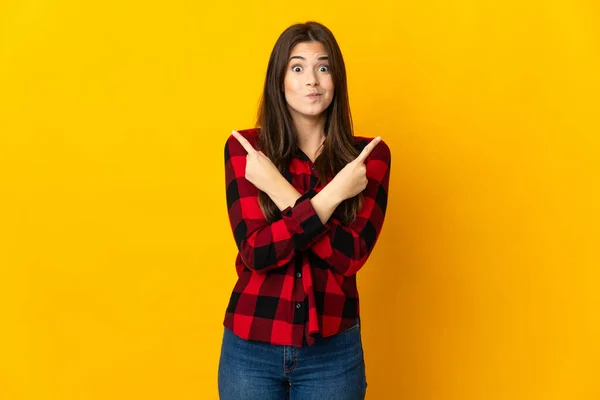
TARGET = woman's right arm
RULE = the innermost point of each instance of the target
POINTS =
(263, 245)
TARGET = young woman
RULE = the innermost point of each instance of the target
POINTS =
(306, 201)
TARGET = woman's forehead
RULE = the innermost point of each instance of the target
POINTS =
(309, 49)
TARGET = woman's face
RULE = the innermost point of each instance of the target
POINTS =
(308, 84)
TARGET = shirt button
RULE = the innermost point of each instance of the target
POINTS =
(298, 305)
(298, 275)
(313, 169)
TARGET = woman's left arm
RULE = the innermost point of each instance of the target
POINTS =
(346, 247)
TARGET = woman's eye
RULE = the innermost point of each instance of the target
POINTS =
(322, 68)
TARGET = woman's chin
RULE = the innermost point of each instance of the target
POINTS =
(312, 113)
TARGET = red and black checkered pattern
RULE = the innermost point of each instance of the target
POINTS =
(297, 276)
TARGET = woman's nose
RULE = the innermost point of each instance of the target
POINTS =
(311, 79)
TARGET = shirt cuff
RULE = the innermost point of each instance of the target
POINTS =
(307, 219)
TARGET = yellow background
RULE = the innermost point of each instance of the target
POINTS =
(116, 255)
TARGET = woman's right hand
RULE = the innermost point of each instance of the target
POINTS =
(352, 179)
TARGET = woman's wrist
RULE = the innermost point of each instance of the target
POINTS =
(333, 192)
(285, 195)
(282, 193)
(326, 201)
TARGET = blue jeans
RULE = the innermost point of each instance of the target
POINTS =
(333, 368)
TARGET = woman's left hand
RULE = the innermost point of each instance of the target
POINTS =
(260, 170)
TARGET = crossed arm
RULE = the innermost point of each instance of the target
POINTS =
(307, 223)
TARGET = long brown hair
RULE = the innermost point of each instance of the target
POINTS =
(278, 139)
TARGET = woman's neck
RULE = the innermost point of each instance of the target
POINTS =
(311, 134)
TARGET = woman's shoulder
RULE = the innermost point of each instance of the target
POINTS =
(381, 151)
(250, 134)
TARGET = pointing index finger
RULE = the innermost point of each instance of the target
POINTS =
(367, 150)
(245, 143)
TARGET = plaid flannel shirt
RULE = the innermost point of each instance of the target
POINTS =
(296, 275)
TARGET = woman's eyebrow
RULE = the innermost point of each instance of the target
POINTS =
(302, 58)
